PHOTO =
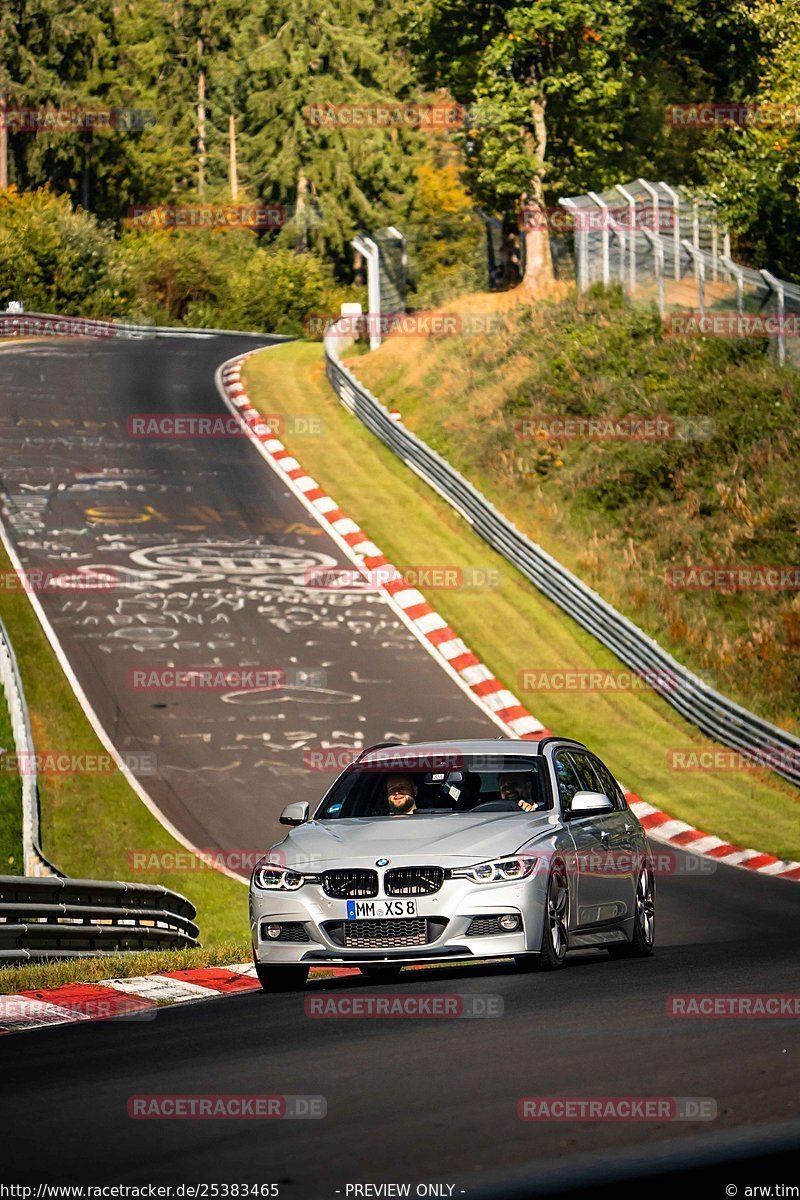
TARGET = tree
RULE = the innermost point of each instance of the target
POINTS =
(566, 96)
(298, 60)
(755, 169)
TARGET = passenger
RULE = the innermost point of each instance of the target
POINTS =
(518, 787)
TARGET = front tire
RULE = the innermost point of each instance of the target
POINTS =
(644, 922)
(281, 977)
(554, 933)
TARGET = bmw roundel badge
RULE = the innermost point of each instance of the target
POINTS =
(382, 862)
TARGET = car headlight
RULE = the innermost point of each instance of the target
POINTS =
(498, 870)
(277, 879)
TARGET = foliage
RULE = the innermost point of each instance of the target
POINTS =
(755, 170)
(52, 258)
(718, 488)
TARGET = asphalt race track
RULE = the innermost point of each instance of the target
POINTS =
(430, 1101)
(208, 554)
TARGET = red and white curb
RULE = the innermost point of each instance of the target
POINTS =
(135, 998)
(429, 626)
(663, 828)
(451, 652)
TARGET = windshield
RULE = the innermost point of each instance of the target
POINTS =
(509, 784)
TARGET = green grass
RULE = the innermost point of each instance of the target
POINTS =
(11, 858)
(620, 513)
(119, 966)
(91, 823)
(513, 627)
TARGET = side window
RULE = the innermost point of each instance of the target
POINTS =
(609, 784)
(568, 781)
(583, 769)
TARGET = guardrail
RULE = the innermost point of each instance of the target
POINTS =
(703, 706)
(73, 918)
(30, 324)
(35, 862)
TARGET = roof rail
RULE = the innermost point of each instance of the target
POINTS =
(554, 738)
(376, 746)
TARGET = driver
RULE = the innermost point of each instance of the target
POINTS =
(401, 793)
(519, 788)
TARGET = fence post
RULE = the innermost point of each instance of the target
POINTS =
(736, 272)
(653, 194)
(776, 285)
(601, 204)
(676, 227)
(632, 229)
(366, 246)
(579, 241)
(658, 256)
(699, 272)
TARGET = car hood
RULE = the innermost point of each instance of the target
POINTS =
(418, 839)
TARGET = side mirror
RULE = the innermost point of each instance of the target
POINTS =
(295, 814)
(584, 803)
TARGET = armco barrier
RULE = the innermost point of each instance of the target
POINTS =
(71, 918)
(30, 324)
(35, 861)
(700, 704)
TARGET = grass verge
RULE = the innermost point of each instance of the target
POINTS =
(90, 823)
(11, 859)
(512, 627)
(119, 966)
(715, 486)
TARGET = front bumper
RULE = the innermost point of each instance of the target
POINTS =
(447, 916)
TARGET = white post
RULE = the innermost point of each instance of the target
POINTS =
(653, 194)
(579, 242)
(658, 257)
(676, 232)
(776, 285)
(738, 275)
(601, 204)
(699, 272)
(632, 210)
(368, 248)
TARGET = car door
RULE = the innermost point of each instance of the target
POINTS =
(624, 835)
(586, 894)
(604, 869)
